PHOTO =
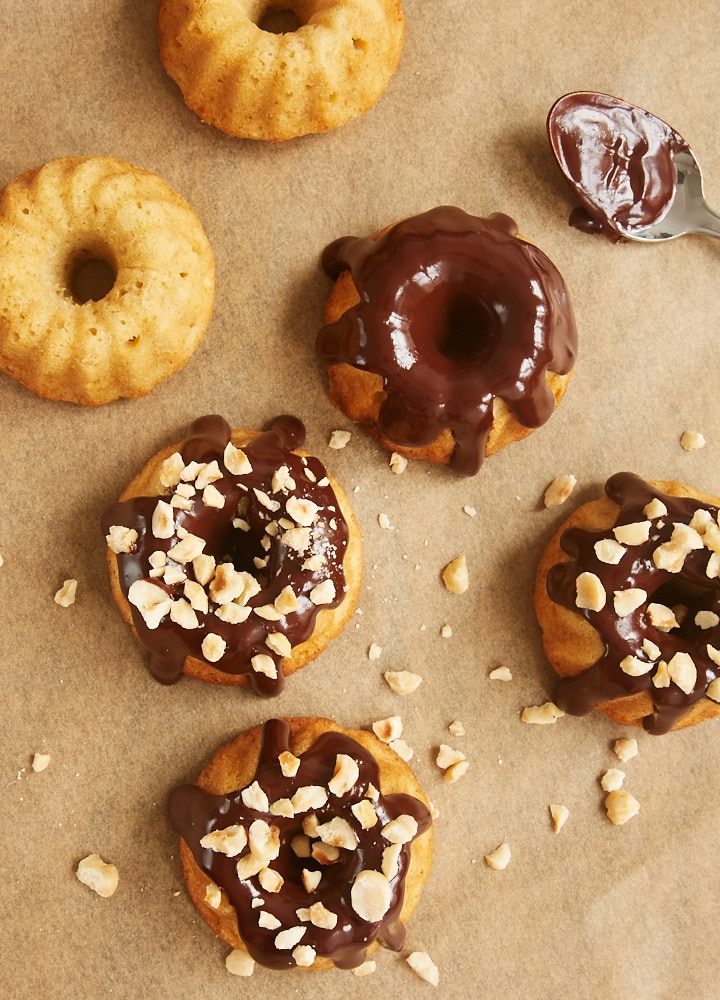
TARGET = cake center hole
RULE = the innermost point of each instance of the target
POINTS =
(469, 330)
(279, 20)
(90, 277)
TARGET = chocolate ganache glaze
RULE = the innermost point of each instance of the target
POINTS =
(669, 645)
(307, 879)
(454, 311)
(263, 565)
(617, 158)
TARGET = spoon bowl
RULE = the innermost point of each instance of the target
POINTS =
(635, 176)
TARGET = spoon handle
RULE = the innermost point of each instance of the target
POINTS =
(709, 224)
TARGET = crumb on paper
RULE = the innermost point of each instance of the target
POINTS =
(612, 779)
(402, 681)
(388, 729)
(424, 967)
(66, 595)
(456, 728)
(446, 631)
(501, 674)
(470, 510)
(692, 440)
(625, 748)
(621, 806)
(447, 756)
(40, 762)
(2, 561)
(559, 815)
(98, 875)
(542, 715)
(384, 522)
(456, 771)
(499, 859)
(239, 963)
(455, 576)
(402, 749)
(338, 439)
(559, 490)
(366, 969)
(374, 652)
(398, 463)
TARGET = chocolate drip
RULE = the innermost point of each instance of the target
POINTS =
(169, 644)
(690, 588)
(454, 311)
(194, 813)
(617, 158)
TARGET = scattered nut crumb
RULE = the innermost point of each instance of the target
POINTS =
(398, 463)
(423, 966)
(388, 729)
(542, 715)
(612, 779)
(559, 815)
(40, 761)
(625, 748)
(239, 963)
(384, 522)
(559, 490)
(375, 651)
(455, 576)
(499, 858)
(338, 439)
(2, 561)
(402, 681)
(621, 806)
(500, 674)
(402, 749)
(366, 969)
(456, 771)
(66, 595)
(102, 878)
(447, 756)
(470, 511)
(692, 440)
(456, 728)
(446, 631)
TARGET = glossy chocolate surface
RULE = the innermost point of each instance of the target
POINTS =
(194, 813)
(690, 588)
(617, 158)
(251, 548)
(454, 311)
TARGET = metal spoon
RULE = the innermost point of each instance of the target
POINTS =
(688, 213)
(635, 176)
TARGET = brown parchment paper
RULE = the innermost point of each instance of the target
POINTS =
(595, 911)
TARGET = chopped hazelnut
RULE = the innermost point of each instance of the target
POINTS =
(636, 533)
(366, 969)
(163, 520)
(446, 631)
(400, 830)
(213, 895)
(590, 593)
(423, 966)
(402, 681)
(323, 593)
(559, 490)
(371, 895)
(40, 762)
(625, 748)
(692, 440)
(542, 715)
(628, 600)
(119, 539)
(345, 775)
(609, 551)
(612, 779)
(456, 771)
(236, 461)
(446, 756)
(65, 597)
(402, 749)
(499, 858)
(101, 877)
(239, 963)
(364, 813)
(374, 652)
(683, 672)
(398, 463)
(151, 600)
(338, 439)
(500, 674)
(287, 939)
(456, 728)
(455, 576)
(289, 764)
(171, 470)
(304, 956)
(559, 815)
(304, 512)
(621, 806)
(713, 690)
(213, 647)
(388, 729)
(230, 841)
(656, 508)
